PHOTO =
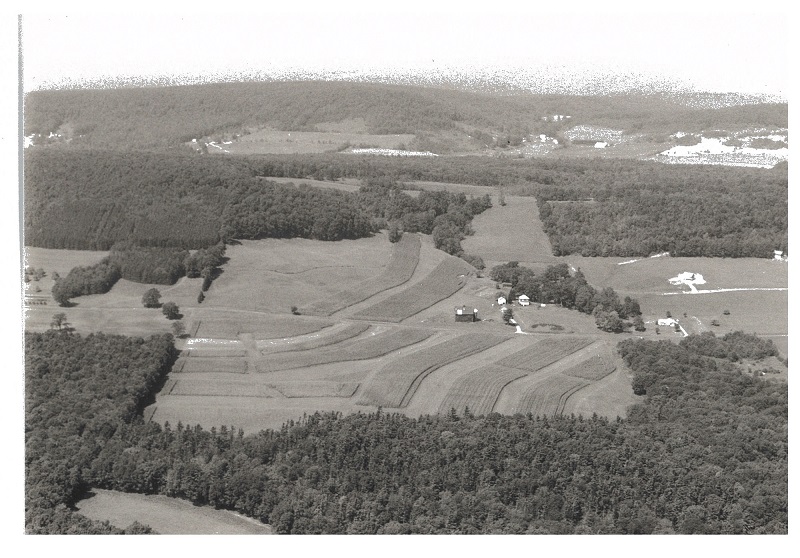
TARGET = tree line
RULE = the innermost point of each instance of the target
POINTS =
(687, 459)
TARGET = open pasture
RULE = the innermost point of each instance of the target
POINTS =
(445, 279)
(544, 353)
(219, 388)
(165, 515)
(369, 347)
(282, 142)
(479, 389)
(202, 365)
(651, 275)
(609, 397)
(510, 232)
(221, 324)
(549, 397)
(60, 261)
(140, 322)
(394, 384)
(399, 269)
(349, 331)
(593, 368)
(272, 275)
(317, 389)
(760, 312)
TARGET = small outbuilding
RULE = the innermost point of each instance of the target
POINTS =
(524, 300)
(465, 314)
(501, 300)
(778, 255)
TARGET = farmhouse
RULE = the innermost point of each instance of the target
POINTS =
(465, 314)
(501, 300)
(667, 322)
(524, 300)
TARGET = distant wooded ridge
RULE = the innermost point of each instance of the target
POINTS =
(91, 200)
(162, 117)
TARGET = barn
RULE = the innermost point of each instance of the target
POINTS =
(465, 314)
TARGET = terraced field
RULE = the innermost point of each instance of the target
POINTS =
(395, 384)
(544, 353)
(362, 349)
(401, 266)
(446, 278)
(317, 389)
(549, 397)
(479, 389)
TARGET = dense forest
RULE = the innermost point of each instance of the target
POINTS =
(91, 200)
(78, 392)
(705, 452)
(156, 118)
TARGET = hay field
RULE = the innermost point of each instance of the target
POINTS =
(445, 279)
(479, 389)
(510, 232)
(395, 384)
(212, 323)
(399, 270)
(141, 322)
(167, 516)
(544, 353)
(272, 275)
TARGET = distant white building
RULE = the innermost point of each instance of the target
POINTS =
(524, 300)
(669, 322)
(601, 145)
(501, 300)
(779, 255)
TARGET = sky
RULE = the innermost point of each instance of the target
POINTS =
(725, 49)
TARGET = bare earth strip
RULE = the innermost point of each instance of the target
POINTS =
(363, 349)
(395, 384)
(168, 516)
(401, 266)
(447, 278)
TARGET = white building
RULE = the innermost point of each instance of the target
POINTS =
(670, 322)
(524, 300)
(501, 300)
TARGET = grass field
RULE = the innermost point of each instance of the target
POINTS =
(317, 389)
(445, 279)
(167, 516)
(201, 365)
(216, 387)
(370, 347)
(401, 266)
(594, 368)
(395, 384)
(510, 232)
(544, 353)
(221, 324)
(349, 331)
(272, 275)
(479, 389)
(549, 397)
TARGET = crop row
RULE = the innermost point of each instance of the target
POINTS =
(370, 347)
(445, 279)
(543, 353)
(348, 332)
(548, 398)
(199, 365)
(317, 389)
(222, 388)
(396, 383)
(593, 369)
(401, 266)
(479, 389)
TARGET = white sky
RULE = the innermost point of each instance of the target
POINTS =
(711, 48)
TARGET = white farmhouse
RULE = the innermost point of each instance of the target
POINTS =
(524, 300)
(670, 322)
(501, 300)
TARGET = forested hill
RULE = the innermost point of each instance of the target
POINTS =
(160, 117)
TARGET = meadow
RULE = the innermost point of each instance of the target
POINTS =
(167, 516)
(283, 142)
